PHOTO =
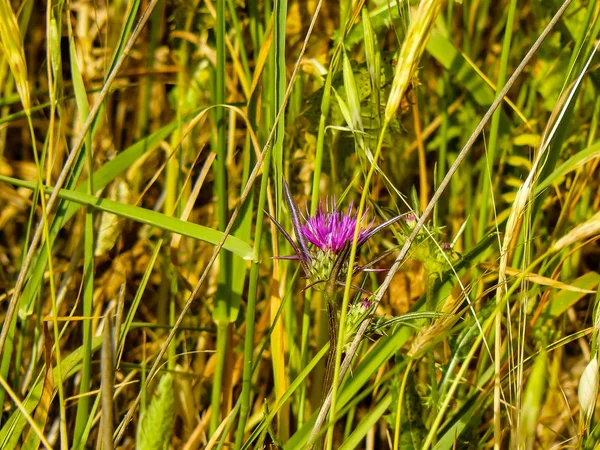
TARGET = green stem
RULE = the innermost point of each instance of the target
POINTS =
(334, 323)
(220, 353)
(304, 348)
(399, 406)
(346, 298)
(431, 307)
(88, 299)
(251, 309)
(223, 298)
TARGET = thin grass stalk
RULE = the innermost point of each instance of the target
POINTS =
(330, 297)
(55, 328)
(221, 355)
(522, 399)
(423, 182)
(588, 30)
(7, 355)
(247, 189)
(251, 306)
(486, 327)
(426, 214)
(409, 57)
(280, 84)
(255, 25)
(397, 430)
(432, 279)
(244, 400)
(241, 44)
(571, 88)
(221, 312)
(88, 298)
(325, 107)
(167, 300)
(82, 415)
(64, 174)
(345, 301)
(25, 331)
(445, 104)
(156, 21)
(486, 174)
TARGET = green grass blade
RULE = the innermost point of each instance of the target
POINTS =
(149, 217)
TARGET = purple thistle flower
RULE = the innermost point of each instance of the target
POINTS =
(331, 232)
(330, 229)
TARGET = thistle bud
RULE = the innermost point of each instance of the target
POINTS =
(411, 220)
(588, 388)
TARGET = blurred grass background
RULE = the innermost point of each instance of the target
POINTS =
(124, 326)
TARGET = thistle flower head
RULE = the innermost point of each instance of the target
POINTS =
(330, 229)
(331, 232)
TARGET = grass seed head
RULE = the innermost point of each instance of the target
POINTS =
(410, 53)
(12, 47)
(587, 229)
(587, 392)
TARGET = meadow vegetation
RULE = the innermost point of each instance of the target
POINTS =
(299, 224)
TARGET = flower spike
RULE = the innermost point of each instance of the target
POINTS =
(296, 221)
(377, 229)
(282, 231)
(299, 255)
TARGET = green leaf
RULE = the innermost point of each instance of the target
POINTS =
(366, 423)
(148, 217)
(11, 431)
(563, 300)
(574, 162)
(156, 424)
(102, 177)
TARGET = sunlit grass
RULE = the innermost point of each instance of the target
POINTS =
(147, 301)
